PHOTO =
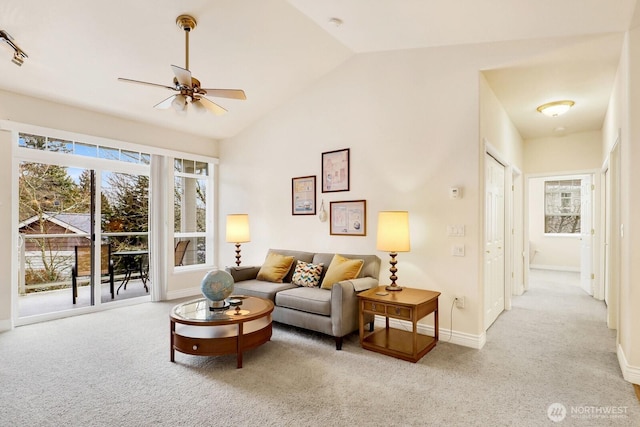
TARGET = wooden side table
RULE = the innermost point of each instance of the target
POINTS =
(409, 304)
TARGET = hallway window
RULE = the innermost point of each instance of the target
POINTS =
(562, 206)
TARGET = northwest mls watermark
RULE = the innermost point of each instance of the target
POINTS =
(557, 412)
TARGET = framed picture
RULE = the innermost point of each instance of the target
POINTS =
(303, 195)
(335, 171)
(348, 218)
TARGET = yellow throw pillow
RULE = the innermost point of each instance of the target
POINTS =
(340, 269)
(275, 268)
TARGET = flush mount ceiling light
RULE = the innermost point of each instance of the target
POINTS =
(556, 108)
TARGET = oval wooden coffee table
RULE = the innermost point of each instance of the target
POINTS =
(197, 330)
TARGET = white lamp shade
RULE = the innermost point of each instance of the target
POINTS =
(238, 228)
(393, 231)
(197, 105)
(179, 103)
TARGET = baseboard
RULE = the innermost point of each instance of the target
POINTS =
(183, 293)
(629, 373)
(454, 337)
(554, 268)
(6, 325)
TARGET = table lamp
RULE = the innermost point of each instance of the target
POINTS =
(238, 231)
(393, 237)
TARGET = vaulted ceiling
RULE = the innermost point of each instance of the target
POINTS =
(273, 49)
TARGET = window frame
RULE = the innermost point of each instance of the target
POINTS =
(209, 222)
(575, 197)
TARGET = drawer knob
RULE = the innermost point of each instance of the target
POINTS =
(397, 310)
(373, 307)
(195, 346)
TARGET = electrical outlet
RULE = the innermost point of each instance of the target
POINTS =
(459, 302)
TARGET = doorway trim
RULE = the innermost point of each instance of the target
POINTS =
(596, 215)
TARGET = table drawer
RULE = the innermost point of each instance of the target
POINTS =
(374, 307)
(399, 312)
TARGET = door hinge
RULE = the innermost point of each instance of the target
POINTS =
(593, 232)
(593, 276)
(593, 187)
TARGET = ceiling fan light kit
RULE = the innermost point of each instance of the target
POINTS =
(555, 108)
(188, 87)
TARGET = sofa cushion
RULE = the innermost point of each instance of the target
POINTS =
(310, 300)
(340, 269)
(260, 289)
(307, 274)
(275, 267)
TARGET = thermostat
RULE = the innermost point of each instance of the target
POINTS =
(455, 193)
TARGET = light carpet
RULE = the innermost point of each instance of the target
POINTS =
(112, 369)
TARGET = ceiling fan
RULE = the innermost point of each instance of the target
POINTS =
(188, 87)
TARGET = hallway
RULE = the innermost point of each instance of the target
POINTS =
(556, 342)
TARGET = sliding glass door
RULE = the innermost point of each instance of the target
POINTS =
(55, 219)
(124, 222)
(83, 230)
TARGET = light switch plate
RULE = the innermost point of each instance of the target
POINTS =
(455, 230)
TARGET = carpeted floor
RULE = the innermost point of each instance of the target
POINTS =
(112, 369)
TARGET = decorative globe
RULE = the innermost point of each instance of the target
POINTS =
(217, 285)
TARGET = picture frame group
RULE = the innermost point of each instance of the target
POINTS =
(346, 218)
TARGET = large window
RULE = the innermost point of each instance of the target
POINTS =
(562, 206)
(78, 194)
(192, 225)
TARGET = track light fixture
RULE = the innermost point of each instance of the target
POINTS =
(18, 54)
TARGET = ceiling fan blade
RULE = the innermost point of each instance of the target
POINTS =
(182, 75)
(226, 93)
(163, 105)
(145, 83)
(211, 106)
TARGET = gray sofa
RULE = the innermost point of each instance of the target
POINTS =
(329, 311)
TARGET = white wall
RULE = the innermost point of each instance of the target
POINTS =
(630, 312)
(573, 152)
(411, 120)
(496, 127)
(24, 109)
(497, 130)
(625, 105)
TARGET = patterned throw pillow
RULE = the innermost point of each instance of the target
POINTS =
(307, 274)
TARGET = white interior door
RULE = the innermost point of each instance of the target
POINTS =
(586, 235)
(494, 280)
